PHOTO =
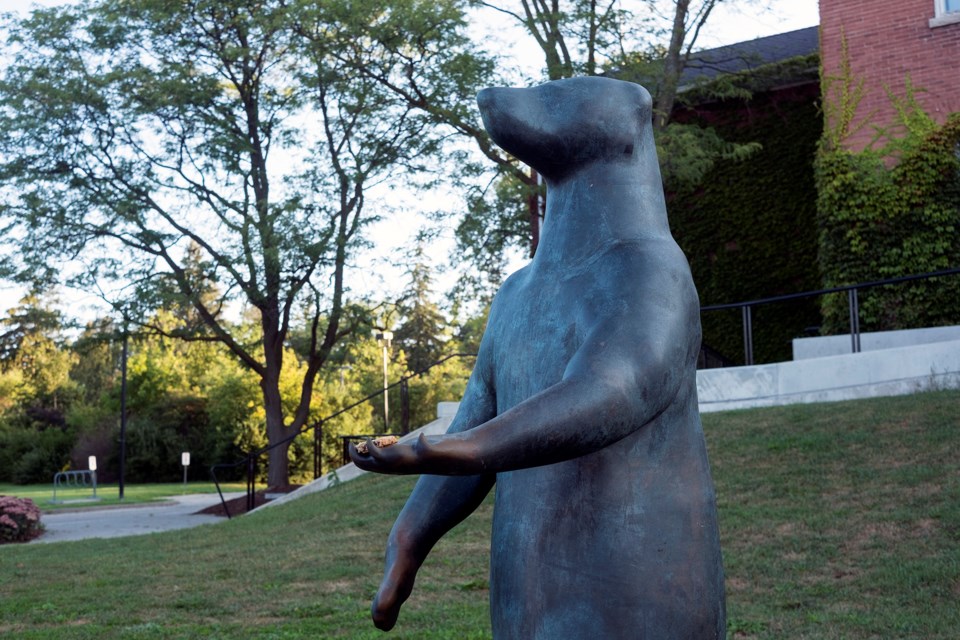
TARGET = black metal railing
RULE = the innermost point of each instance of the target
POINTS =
(853, 302)
(250, 461)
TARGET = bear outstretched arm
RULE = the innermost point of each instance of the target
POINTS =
(437, 504)
(626, 372)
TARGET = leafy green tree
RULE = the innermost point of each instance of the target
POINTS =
(173, 145)
(98, 351)
(35, 392)
(358, 373)
(445, 382)
(33, 346)
(35, 314)
(423, 328)
(11, 390)
(46, 370)
(649, 41)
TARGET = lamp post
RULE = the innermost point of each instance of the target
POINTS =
(384, 337)
(123, 411)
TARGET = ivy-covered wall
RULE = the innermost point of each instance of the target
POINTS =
(892, 212)
(749, 229)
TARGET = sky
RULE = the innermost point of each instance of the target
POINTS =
(731, 22)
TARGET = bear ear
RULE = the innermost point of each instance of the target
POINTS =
(645, 99)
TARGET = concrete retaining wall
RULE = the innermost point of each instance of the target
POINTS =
(843, 377)
(820, 347)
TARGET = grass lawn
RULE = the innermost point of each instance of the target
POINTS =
(42, 494)
(838, 521)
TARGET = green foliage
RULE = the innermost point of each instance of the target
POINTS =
(360, 373)
(156, 438)
(36, 393)
(98, 350)
(842, 97)
(889, 212)
(233, 405)
(35, 314)
(687, 152)
(495, 226)
(30, 346)
(443, 383)
(32, 456)
(422, 330)
(12, 390)
(187, 155)
(748, 229)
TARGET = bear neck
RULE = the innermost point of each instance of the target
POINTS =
(599, 205)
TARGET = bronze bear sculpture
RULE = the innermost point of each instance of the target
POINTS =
(582, 408)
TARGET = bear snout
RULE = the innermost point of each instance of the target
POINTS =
(485, 98)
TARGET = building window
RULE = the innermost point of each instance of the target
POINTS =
(945, 12)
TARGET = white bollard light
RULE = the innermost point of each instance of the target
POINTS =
(92, 465)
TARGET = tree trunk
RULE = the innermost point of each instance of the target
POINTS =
(278, 474)
(672, 67)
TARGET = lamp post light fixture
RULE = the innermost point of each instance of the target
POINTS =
(384, 337)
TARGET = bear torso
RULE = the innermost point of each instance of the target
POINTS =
(631, 526)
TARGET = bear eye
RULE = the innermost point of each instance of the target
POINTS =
(628, 150)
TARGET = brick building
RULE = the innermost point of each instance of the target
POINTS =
(887, 42)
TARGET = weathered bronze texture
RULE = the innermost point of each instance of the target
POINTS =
(582, 408)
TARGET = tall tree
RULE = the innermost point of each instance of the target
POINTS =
(131, 132)
(421, 331)
(32, 352)
(649, 41)
(35, 314)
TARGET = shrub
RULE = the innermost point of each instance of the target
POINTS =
(19, 520)
(41, 455)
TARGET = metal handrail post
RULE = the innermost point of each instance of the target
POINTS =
(251, 483)
(223, 501)
(747, 335)
(404, 406)
(317, 447)
(854, 304)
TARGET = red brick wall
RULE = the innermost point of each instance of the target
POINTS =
(887, 41)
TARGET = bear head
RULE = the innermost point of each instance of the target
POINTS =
(559, 126)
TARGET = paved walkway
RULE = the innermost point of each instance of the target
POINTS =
(113, 522)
